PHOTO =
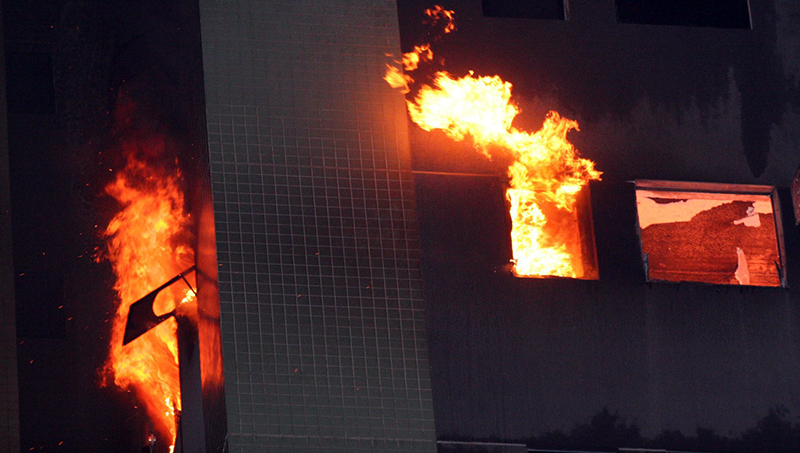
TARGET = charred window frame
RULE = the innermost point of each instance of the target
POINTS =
(527, 9)
(734, 14)
(725, 234)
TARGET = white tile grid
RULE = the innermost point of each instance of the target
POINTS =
(289, 132)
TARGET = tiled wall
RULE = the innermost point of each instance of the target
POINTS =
(323, 330)
(9, 392)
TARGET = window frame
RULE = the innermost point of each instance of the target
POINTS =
(716, 188)
(628, 16)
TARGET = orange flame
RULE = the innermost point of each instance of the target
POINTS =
(437, 14)
(148, 243)
(410, 61)
(546, 173)
(394, 76)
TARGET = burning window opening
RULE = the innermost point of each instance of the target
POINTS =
(573, 253)
(711, 233)
(546, 175)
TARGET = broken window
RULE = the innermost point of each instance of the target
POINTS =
(712, 233)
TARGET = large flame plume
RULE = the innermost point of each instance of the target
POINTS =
(148, 243)
(546, 174)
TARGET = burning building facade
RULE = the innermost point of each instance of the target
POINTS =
(317, 311)
(353, 276)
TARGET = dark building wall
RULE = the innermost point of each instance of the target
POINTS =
(70, 64)
(9, 392)
(60, 337)
(323, 329)
(515, 359)
(659, 102)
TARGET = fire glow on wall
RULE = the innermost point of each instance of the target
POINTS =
(547, 178)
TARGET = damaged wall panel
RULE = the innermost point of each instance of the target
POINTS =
(710, 233)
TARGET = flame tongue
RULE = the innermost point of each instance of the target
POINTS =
(546, 173)
(479, 107)
(148, 243)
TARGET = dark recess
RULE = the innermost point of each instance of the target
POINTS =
(689, 13)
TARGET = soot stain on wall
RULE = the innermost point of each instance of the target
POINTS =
(594, 69)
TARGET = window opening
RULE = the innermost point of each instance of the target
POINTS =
(713, 233)
(689, 13)
(569, 250)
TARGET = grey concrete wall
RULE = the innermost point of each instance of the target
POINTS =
(323, 330)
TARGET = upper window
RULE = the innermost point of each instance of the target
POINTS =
(712, 233)
(690, 13)
(527, 9)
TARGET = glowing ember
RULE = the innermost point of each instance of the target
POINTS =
(396, 78)
(148, 244)
(436, 17)
(546, 175)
